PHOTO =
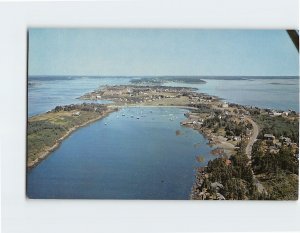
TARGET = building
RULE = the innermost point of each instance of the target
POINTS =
(269, 137)
(237, 138)
(274, 113)
(285, 113)
(225, 105)
(76, 114)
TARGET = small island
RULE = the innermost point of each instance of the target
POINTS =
(160, 80)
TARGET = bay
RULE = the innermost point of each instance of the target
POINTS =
(122, 157)
(128, 158)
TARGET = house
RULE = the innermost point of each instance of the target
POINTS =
(236, 138)
(269, 137)
(274, 113)
(285, 113)
(225, 105)
(76, 114)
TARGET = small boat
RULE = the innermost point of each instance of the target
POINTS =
(137, 118)
(123, 114)
(105, 123)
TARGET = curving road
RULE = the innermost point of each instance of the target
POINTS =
(252, 140)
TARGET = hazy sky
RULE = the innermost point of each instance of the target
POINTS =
(161, 52)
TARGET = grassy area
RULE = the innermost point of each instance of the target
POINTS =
(45, 131)
(179, 101)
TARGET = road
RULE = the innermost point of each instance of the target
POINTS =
(255, 131)
(253, 138)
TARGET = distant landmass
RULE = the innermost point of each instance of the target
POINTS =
(197, 79)
(166, 79)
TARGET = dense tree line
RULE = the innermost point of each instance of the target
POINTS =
(204, 108)
(278, 126)
(235, 178)
(267, 162)
(231, 127)
(89, 107)
(41, 134)
(278, 170)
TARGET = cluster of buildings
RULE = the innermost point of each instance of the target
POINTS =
(274, 144)
(279, 113)
(137, 94)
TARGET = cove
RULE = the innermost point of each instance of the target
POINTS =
(134, 153)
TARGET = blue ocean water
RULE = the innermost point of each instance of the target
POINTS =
(122, 157)
(129, 158)
(45, 93)
(281, 93)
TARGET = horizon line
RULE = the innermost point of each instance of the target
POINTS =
(81, 75)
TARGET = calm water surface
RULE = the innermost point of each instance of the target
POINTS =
(122, 157)
(46, 93)
(279, 93)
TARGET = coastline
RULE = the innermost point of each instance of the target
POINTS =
(231, 129)
(45, 153)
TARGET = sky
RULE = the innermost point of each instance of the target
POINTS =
(137, 52)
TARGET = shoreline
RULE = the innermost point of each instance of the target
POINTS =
(227, 127)
(44, 154)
